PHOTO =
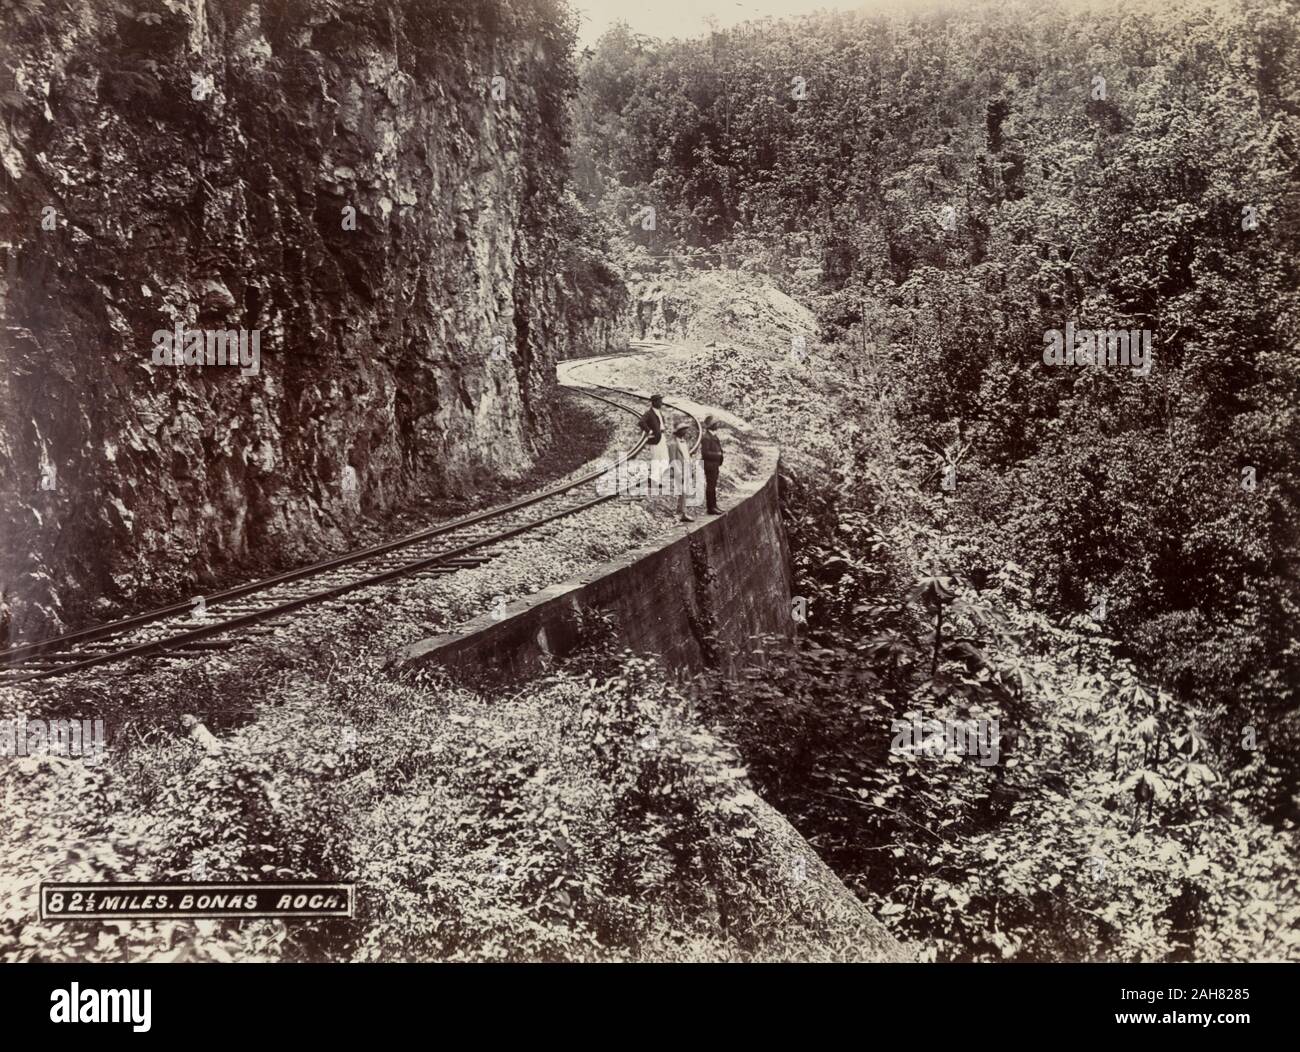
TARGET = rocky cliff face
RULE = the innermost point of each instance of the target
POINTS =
(368, 187)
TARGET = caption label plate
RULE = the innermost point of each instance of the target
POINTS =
(111, 900)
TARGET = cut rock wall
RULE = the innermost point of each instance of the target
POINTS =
(198, 163)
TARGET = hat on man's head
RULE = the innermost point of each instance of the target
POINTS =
(709, 421)
(656, 400)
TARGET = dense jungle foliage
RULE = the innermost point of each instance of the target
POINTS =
(1101, 558)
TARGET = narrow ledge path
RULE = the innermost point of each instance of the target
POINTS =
(657, 593)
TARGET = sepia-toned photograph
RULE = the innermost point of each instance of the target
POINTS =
(553, 482)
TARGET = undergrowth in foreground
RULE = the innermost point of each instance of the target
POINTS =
(589, 818)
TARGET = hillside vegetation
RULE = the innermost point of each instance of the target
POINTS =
(1102, 557)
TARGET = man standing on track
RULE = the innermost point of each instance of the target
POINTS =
(711, 451)
(652, 422)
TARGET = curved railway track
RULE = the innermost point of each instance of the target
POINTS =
(187, 628)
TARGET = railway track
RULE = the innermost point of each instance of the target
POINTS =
(224, 619)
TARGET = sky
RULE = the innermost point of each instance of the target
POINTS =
(686, 18)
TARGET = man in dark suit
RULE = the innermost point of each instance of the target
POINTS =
(711, 452)
(654, 425)
(652, 420)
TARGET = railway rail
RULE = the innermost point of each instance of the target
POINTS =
(223, 619)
